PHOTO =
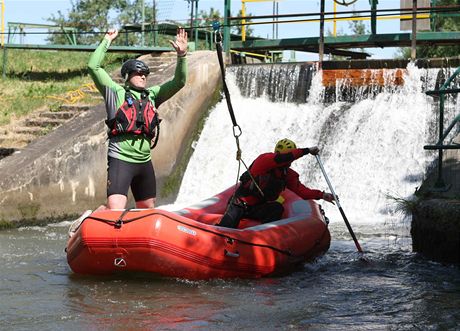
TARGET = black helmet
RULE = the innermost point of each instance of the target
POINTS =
(133, 65)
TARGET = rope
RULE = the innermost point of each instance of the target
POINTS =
(236, 128)
(228, 237)
(420, 10)
(218, 37)
(112, 222)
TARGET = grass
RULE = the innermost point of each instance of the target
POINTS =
(403, 206)
(38, 78)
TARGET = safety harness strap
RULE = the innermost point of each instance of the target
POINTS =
(226, 92)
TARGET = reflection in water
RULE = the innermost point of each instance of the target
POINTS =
(139, 301)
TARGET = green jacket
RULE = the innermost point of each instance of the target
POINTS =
(129, 147)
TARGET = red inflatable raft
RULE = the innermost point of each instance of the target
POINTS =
(187, 244)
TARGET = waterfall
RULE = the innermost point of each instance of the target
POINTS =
(276, 82)
(371, 148)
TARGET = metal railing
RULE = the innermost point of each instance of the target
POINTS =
(440, 185)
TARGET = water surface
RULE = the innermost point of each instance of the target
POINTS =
(396, 290)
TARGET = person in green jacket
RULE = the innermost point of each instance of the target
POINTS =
(132, 122)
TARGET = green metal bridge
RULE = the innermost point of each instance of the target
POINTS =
(339, 45)
(335, 45)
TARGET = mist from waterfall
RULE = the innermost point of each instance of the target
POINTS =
(371, 148)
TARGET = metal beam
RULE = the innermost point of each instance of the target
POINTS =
(359, 41)
(90, 48)
(413, 45)
(373, 16)
(227, 14)
(321, 33)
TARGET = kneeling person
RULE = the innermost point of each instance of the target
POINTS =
(269, 175)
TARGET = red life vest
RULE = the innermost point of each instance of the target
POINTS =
(135, 116)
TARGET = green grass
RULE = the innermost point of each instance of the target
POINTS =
(406, 207)
(39, 78)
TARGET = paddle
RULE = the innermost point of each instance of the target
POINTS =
(358, 246)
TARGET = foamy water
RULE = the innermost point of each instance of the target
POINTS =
(371, 149)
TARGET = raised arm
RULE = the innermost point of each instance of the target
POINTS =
(100, 77)
(168, 89)
(268, 161)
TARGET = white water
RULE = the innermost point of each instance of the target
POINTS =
(370, 149)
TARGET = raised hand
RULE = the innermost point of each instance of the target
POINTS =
(180, 44)
(111, 34)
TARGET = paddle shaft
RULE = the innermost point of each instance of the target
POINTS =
(358, 246)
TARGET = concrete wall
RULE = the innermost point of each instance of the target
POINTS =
(64, 172)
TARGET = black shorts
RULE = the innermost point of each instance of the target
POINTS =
(139, 176)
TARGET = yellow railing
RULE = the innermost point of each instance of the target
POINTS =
(73, 96)
(69, 97)
(2, 40)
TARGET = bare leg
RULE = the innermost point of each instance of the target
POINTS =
(101, 207)
(117, 201)
(148, 203)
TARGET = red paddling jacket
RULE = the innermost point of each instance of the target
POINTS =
(273, 175)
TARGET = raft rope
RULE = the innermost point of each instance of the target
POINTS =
(120, 221)
(227, 237)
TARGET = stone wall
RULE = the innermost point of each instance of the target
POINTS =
(436, 218)
(64, 172)
(435, 229)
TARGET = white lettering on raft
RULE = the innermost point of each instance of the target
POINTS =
(186, 230)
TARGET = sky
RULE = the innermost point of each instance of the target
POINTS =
(37, 11)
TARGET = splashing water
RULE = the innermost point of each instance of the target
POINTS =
(370, 149)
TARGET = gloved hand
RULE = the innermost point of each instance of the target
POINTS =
(311, 150)
(329, 197)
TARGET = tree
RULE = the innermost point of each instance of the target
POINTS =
(93, 17)
(207, 18)
(440, 22)
(358, 28)
(132, 15)
(237, 28)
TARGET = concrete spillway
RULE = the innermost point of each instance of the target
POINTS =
(64, 172)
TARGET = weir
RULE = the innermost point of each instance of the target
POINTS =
(371, 141)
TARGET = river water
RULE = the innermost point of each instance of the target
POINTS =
(395, 290)
(371, 149)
